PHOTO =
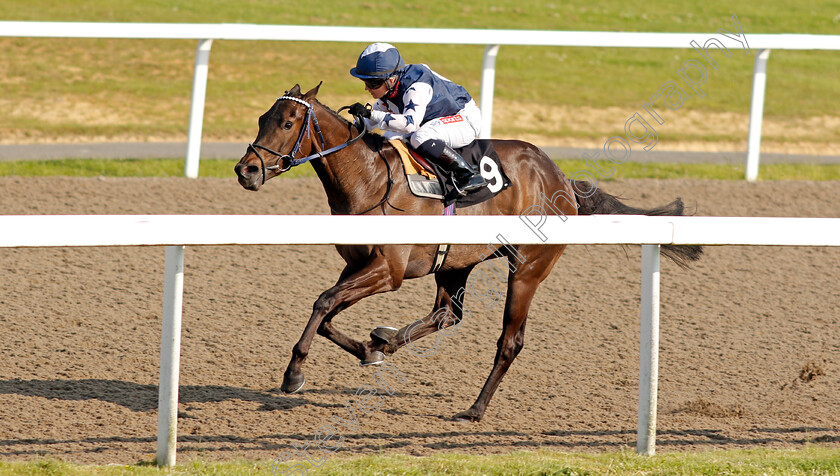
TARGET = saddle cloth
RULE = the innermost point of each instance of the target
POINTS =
(434, 183)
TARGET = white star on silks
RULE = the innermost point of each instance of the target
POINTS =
(388, 119)
(411, 106)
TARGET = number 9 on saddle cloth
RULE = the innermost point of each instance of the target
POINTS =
(480, 154)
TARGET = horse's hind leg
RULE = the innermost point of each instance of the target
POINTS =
(447, 311)
(522, 285)
(381, 274)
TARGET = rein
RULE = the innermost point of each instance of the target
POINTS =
(289, 159)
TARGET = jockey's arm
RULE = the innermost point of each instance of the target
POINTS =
(373, 126)
(416, 99)
(370, 123)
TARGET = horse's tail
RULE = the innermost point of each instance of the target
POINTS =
(594, 201)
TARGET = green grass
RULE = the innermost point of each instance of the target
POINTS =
(808, 16)
(665, 170)
(224, 169)
(812, 460)
(126, 168)
(142, 87)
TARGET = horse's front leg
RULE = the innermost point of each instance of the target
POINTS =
(382, 273)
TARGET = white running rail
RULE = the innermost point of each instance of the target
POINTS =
(177, 231)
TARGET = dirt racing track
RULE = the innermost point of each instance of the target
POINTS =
(749, 357)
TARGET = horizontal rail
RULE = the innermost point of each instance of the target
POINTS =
(176, 231)
(158, 230)
(353, 34)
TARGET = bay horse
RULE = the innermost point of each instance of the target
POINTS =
(362, 174)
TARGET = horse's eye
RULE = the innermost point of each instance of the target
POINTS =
(287, 125)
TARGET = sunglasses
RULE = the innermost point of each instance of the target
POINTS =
(374, 83)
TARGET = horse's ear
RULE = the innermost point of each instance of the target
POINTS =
(295, 91)
(313, 92)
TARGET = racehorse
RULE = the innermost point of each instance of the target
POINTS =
(362, 175)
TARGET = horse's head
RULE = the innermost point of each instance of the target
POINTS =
(282, 134)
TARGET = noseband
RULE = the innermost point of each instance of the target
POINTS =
(289, 160)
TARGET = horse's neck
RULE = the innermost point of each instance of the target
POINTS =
(353, 177)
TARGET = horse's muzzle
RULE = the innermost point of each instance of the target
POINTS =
(249, 176)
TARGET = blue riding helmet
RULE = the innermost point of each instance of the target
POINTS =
(379, 60)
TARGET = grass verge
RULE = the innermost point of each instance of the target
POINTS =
(812, 460)
(63, 89)
(224, 169)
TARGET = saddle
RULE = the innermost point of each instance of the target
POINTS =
(421, 176)
(430, 181)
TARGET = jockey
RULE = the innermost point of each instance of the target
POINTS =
(436, 114)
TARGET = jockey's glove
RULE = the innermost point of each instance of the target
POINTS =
(359, 109)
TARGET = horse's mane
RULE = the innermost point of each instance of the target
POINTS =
(330, 110)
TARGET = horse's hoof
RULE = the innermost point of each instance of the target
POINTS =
(468, 416)
(293, 384)
(374, 358)
(383, 334)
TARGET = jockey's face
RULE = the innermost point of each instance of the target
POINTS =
(377, 91)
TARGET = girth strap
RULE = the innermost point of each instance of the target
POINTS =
(440, 257)
(443, 250)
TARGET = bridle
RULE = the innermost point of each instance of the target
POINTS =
(289, 160)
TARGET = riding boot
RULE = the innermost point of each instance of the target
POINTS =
(465, 177)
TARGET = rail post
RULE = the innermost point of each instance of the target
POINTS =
(648, 351)
(488, 83)
(756, 113)
(170, 355)
(199, 92)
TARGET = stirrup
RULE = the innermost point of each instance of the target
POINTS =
(471, 185)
